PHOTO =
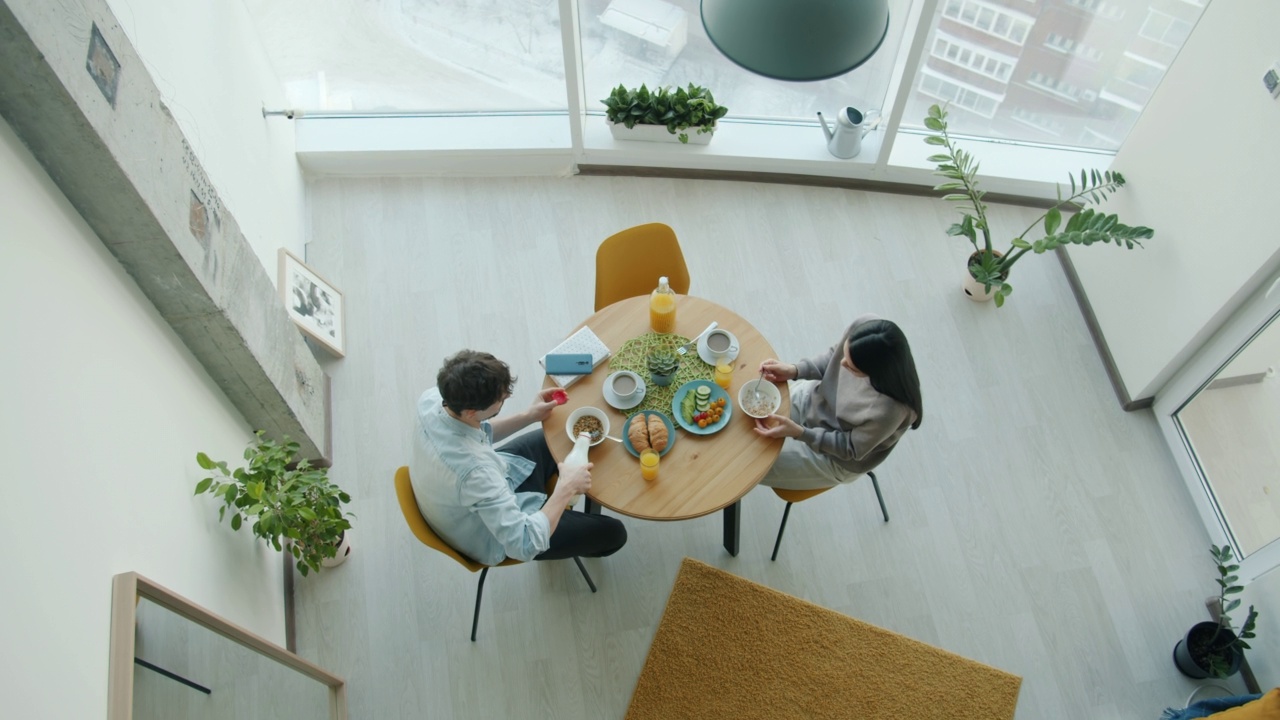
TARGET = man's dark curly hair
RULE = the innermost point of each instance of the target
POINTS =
(472, 380)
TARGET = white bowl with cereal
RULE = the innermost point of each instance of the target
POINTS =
(590, 420)
(759, 405)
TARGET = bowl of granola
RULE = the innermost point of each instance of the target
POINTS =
(589, 420)
(759, 398)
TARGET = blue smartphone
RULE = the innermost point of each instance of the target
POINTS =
(569, 364)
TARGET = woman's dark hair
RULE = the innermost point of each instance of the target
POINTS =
(473, 380)
(880, 349)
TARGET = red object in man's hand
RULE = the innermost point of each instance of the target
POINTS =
(561, 397)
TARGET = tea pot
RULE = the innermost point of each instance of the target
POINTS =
(851, 126)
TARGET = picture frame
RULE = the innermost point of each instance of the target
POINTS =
(313, 303)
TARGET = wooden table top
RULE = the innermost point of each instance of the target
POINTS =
(701, 473)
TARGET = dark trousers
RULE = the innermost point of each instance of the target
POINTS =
(578, 534)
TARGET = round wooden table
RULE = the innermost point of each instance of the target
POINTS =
(702, 473)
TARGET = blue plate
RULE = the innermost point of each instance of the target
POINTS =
(671, 432)
(716, 393)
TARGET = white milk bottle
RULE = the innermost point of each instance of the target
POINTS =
(576, 458)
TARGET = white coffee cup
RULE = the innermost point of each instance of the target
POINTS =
(625, 385)
(721, 345)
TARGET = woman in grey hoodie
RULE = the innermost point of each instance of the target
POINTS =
(849, 407)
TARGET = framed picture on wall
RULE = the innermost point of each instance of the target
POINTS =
(314, 304)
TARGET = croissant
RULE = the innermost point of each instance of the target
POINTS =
(638, 433)
(657, 433)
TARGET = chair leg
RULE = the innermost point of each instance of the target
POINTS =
(778, 543)
(585, 576)
(876, 484)
(475, 620)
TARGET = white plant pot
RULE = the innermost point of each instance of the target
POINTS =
(344, 549)
(657, 133)
(975, 290)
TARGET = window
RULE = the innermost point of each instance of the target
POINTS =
(1079, 71)
(972, 57)
(1165, 29)
(662, 42)
(993, 20)
(1064, 44)
(488, 56)
(1053, 85)
(957, 93)
(415, 55)
(1038, 121)
(1102, 8)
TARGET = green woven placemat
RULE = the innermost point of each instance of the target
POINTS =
(634, 354)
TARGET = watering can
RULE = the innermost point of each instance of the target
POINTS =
(851, 126)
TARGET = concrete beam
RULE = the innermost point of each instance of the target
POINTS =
(77, 94)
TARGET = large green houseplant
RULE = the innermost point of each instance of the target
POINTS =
(285, 498)
(990, 267)
(1217, 648)
(691, 107)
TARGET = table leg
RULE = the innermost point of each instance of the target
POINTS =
(592, 506)
(732, 527)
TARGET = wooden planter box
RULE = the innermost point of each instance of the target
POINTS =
(657, 133)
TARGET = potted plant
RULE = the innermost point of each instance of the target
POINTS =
(989, 268)
(662, 367)
(1215, 648)
(691, 107)
(285, 498)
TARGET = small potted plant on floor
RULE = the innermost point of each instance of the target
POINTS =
(285, 498)
(662, 367)
(1215, 648)
(661, 115)
(988, 268)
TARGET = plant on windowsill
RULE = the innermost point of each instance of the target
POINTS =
(1215, 648)
(691, 107)
(285, 498)
(989, 268)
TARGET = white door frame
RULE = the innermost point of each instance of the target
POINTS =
(1250, 320)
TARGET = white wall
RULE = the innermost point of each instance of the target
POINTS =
(208, 62)
(102, 409)
(1203, 164)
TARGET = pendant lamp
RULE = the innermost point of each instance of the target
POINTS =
(797, 40)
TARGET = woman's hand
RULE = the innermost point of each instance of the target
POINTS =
(777, 426)
(775, 371)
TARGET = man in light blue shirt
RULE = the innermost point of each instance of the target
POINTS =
(489, 504)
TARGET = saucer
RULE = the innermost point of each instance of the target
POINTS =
(705, 353)
(612, 398)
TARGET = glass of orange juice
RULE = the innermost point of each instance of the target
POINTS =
(724, 374)
(649, 465)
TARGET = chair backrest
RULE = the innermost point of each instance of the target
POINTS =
(419, 526)
(629, 263)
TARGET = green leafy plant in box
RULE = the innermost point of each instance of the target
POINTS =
(691, 107)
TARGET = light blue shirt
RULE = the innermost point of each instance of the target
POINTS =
(466, 489)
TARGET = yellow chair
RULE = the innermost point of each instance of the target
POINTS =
(629, 263)
(423, 531)
(794, 496)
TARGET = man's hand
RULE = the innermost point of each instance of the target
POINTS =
(775, 371)
(574, 481)
(777, 426)
(543, 404)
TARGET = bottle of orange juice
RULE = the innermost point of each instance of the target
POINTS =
(662, 308)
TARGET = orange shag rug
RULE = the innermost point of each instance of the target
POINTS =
(731, 648)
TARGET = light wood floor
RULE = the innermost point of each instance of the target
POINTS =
(1034, 525)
